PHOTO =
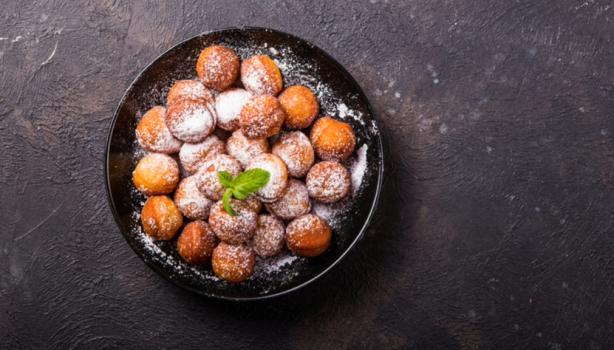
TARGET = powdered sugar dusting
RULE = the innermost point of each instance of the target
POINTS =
(244, 149)
(190, 201)
(156, 253)
(193, 155)
(269, 237)
(271, 273)
(228, 107)
(280, 262)
(358, 168)
(328, 181)
(190, 121)
(278, 176)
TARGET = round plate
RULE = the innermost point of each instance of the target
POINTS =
(301, 63)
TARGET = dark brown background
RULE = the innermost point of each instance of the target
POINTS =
(495, 226)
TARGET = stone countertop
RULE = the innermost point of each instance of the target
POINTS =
(495, 229)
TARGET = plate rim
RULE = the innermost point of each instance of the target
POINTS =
(359, 236)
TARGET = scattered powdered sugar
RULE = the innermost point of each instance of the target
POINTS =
(156, 253)
(343, 112)
(358, 168)
(278, 263)
(334, 214)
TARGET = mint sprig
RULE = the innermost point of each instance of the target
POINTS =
(241, 186)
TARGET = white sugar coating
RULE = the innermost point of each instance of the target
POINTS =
(158, 163)
(256, 78)
(191, 124)
(165, 142)
(207, 178)
(295, 201)
(193, 155)
(328, 181)
(152, 133)
(278, 176)
(190, 201)
(295, 149)
(245, 149)
(190, 89)
(233, 229)
(359, 167)
(269, 237)
(228, 107)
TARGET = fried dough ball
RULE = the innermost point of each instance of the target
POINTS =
(233, 263)
(278, 176)
(301, 106)
(296, 151)
(269, 237)
(188, 89)
(152, 133)
(233, 229)
(253, 203)
(308, 235)
(294, 202)
(192, 203)
(332, 139)
(190, 120)
(207, 178)
(228, 107)
(218, 67)
(244, 149)
(156, 173)
(160, 218)
(261, 76)
(261, 116)
(194, 155)
(196, 242)
(328, 181)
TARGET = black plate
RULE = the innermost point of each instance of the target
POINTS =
(301, 63)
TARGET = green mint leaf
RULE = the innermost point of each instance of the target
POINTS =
(225, 179)
(249, 182)
(226, 202)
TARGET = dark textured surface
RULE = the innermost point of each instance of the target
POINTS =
(495, 228)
